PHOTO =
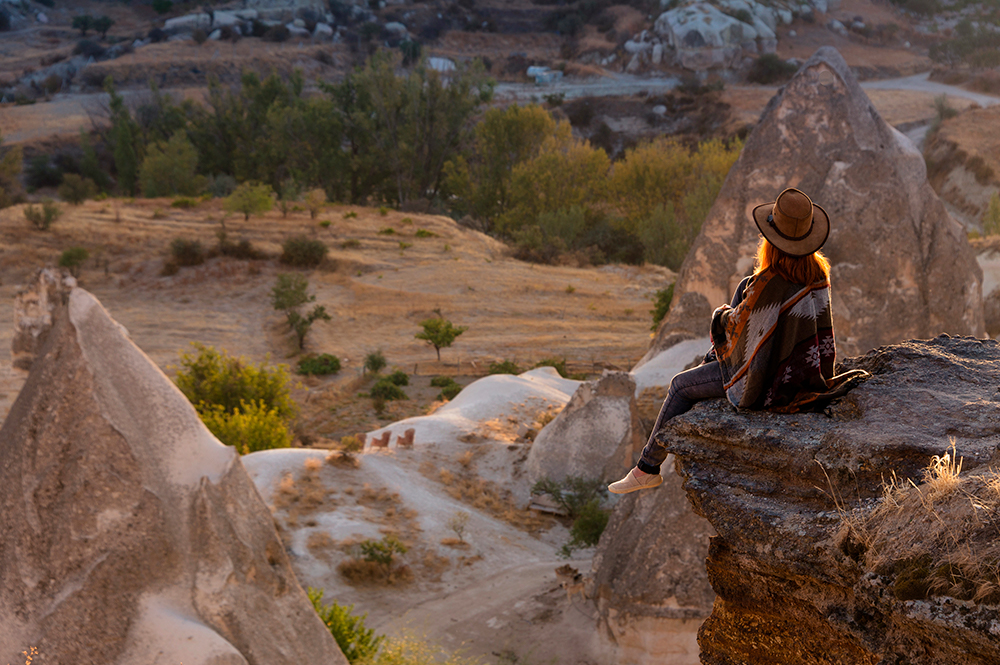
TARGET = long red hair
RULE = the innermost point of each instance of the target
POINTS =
(807, 269)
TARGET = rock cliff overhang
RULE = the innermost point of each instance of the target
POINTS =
(792, 498)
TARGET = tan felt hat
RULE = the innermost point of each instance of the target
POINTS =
(793, 223)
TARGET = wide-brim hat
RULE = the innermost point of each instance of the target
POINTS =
(793, 223)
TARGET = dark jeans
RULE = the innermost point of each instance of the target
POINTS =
(686, 388)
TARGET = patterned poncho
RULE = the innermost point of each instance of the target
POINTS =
(776, 348)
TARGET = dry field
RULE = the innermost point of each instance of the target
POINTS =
(377, 290)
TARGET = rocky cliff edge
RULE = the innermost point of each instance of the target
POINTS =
(858, 535)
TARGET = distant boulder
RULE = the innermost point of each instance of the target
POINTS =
(187, 23)
(703, 37)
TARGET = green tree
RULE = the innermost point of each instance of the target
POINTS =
(991, 220)
(169, 169)
(90, 166)
(356, 641)
(288, 194)
(251, 427)
(439, 333)
(504, 138)
(11, 163)
(250, 199)
(83, 24)
(75, 189)
(289, 295)
(125, 140)
(73, 259)
(102, 24)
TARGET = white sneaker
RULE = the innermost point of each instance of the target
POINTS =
(632, 483)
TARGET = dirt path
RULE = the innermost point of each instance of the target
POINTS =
(921, 83)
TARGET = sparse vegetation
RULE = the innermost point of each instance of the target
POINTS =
(558, 364)
(458, 521)
(75, 189)
(449, 387)
(661, 305)
(289, 295)
(73, 259)
(386, 390)
(186, 252)
(303, 252)
(991, 220)
(769, 69)
(504, 367)
(322, 364)
(356, 641)
(439, 333)
(377, 563)
(42, 217)
(582, 499)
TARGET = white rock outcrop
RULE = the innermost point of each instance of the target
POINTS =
(703, 37)
(130, 534)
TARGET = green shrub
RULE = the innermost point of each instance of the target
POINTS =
(243, 250)
(382, 551)
(449, 392)
(356, 641)
(75, 189)
(210, 378)
(170, 169)
(559, 364)
(184, 202)
(41, 172)
(350, 214)
(589, 525)
(322, 364)
(442, 381)
(424, 233)
(504, 367)
(43, 217)
(582, 499)
(303, 252)
(374, 362)
(991, 220)
(399, 378)
(249, 428)
(770, 68)
(386, 390)
(288, 294)
(439, 333)
(387, 231)
(662, 305)
(350, 243)
(249, 199)
(187, 252)
(73, 259)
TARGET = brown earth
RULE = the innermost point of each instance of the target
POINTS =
(377, 293)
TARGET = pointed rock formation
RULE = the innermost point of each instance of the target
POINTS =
(597, 434)
(131, 535)
(902, 267)
(815, 561)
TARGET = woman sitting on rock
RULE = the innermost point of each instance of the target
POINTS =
(773, 347)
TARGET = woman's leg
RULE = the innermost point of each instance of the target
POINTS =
(686, 388)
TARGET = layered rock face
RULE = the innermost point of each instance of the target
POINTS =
(131, 535)
(902, 267)
(596, 435)
(795, 579)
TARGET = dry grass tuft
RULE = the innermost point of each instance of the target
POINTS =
(313, 464)
(359, 571)
(320, 544)
(455, 543)
(490, 498)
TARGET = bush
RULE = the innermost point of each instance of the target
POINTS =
(41, 172)
(221, 186)
(382, 551)
(210, 378)
(399, 378)
(769, 69)
(663, 299)
(315, 200)
(991, 220)
(42, 218)
(385, 389)
(424, 233)
(303, 252)
(588, 526)
(322, 364)
(559, 364)
(73, 259)
(249, 199)
(187, 252)
(184, 202)
(582, 500)
(374, 362)
(157, 35)
(88, 48)
(75, 189)
(249, 428)
(243, 249)
(162, 6)
(504, 367)
(288, 294)
(355, 640)
(199, 36)
(277, 33)
(449, 392)
(170, 169)
(442, 381)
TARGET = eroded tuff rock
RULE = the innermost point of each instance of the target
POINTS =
(131, 535)
(597, 434)
(649, 582)
(791, 588)
(902, 267)
(34, 306)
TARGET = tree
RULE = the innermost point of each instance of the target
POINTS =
(83, 24)
(439, 333)
(75, 189)
(102, 24)
(250, 199)
(125, 140)
(315, 200)
(11, 163)
(290, 292)
(169, 169)
(73, 259)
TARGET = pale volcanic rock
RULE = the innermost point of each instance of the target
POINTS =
(791, 587)
(902, 266)
(131, 535)
(597, 435)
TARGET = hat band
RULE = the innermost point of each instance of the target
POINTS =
(770, 220)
